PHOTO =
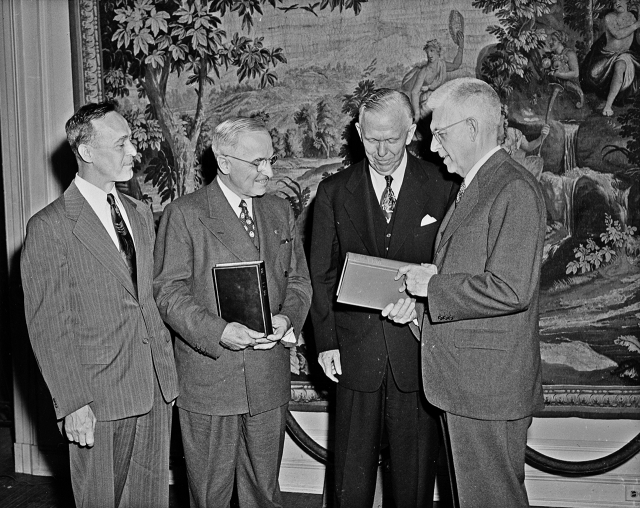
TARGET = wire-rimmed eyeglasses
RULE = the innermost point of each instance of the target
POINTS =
(438, 132)
(257, 162)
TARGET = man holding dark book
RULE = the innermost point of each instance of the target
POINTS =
(234, 382)
(389, 205)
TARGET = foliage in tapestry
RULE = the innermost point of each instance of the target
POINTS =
(145, 41)
(616, 240)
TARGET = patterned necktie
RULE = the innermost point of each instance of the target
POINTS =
(388, 199)
(247, 223)
(463, 187)
(127, 248)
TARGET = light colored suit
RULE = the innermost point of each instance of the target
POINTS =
(197, 232)
(480, 347)
(97, 340)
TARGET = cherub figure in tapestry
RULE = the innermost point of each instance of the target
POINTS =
(563, 65)
(611, 69)
(515, 143)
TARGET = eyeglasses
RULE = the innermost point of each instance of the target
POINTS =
(437, 134)
(257, 162)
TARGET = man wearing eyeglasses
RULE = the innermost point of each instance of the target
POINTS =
(388, 205)
(234, 382)
(480, 348)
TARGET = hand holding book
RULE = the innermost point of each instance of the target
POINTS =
(237, 337)
(416, 278)
(282, 331)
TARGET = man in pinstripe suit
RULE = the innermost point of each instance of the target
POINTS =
(101, 345)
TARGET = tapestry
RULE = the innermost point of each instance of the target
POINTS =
(568, 76)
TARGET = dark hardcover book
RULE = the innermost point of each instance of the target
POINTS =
(242, 294)
(368, 281)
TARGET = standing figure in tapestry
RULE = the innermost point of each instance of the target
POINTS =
(564, 65)
(612, 68)
(425, 77)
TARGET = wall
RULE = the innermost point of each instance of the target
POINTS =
(35, 95)
(567, 439)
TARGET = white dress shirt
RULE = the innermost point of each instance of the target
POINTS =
(234, 199)
(379, 182)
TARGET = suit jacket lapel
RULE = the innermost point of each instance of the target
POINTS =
(92, 234)
(411, 201)
(269, 229)
(457, 215)
(270, 232)
(358, 207)
(223, 223)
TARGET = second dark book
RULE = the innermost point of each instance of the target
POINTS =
(242, 295)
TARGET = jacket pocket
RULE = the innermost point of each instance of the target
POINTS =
(96, 355)
(482, 339)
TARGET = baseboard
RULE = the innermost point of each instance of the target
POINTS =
(40, 461)
(605, 490)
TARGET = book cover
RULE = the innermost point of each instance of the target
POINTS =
(242, 295)
(368, 281)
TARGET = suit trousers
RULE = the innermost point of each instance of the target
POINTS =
(410, 425)
(128, 465)
(488, 459)
(218, 449)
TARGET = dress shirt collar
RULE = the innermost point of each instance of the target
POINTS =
(95, 195)
(233, 199)
(476, 167)
(379, 182)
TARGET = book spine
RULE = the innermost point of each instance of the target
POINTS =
(268, 327)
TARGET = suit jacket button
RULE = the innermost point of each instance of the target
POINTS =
(145, 340)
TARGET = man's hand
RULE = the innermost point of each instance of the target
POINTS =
(281, 324)
(79, 426)
(330, 363)
(416, 278)
(403, 311)
(237, 337)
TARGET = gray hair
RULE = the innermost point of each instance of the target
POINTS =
(473, 96)
(384, 99)
(79, 128)
(227, 133)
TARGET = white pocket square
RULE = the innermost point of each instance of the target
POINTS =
(426, 220)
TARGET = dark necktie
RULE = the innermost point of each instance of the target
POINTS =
(463, 187)
(127, 249)
(388, 199)
(247, 223)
